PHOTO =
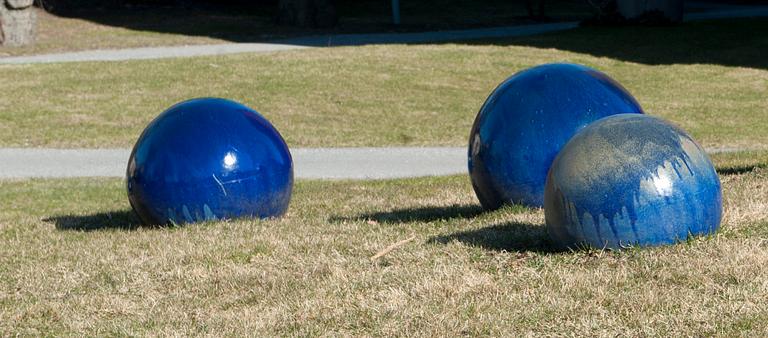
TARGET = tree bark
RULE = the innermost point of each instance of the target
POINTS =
(17, 22)
(307, 13)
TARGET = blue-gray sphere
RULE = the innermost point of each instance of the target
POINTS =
(631, 180)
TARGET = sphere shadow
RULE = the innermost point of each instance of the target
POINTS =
(740, 169)
(510, 237)
(418, 214)
(113, 220)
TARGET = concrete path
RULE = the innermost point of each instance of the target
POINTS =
(319, 163)
(150, 53)
(327, 163)
(707, 12)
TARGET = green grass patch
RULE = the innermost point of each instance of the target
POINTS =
(76, 261)
(395, 95)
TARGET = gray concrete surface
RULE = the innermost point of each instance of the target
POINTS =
(150, 53)
(35, 162)
(317, 163)
(325, 163)
(378, 163)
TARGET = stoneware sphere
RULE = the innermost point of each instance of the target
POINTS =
(527, 119)
(631, 180)
(209, 159)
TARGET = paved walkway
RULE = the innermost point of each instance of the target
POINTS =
(707, 11)
(327, 163)
(319, 163)
(146, 53)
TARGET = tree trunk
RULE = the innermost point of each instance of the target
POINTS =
(307, 13)
(17, 22)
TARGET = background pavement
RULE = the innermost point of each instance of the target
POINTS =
(317, 163)
(327, 163)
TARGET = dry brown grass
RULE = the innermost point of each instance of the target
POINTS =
(310, 273)
(743, 176)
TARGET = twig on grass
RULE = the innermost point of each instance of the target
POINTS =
(391, 247)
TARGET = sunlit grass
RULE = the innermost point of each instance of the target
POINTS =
(391, 95)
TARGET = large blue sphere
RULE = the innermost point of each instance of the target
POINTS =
(631, 180)
(209, 159)
(527, 119)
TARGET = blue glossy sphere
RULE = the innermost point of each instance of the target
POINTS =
(527, 119)
(631, 180)
(209, 159)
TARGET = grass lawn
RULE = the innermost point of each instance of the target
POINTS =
(387, 95)
(74, 261)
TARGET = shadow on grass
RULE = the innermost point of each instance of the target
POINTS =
(226, 23)
(734, 42)
(255, 20)
(420, 214)
(740, 169)
(731, 42)
(116, 220)
(511, 236)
